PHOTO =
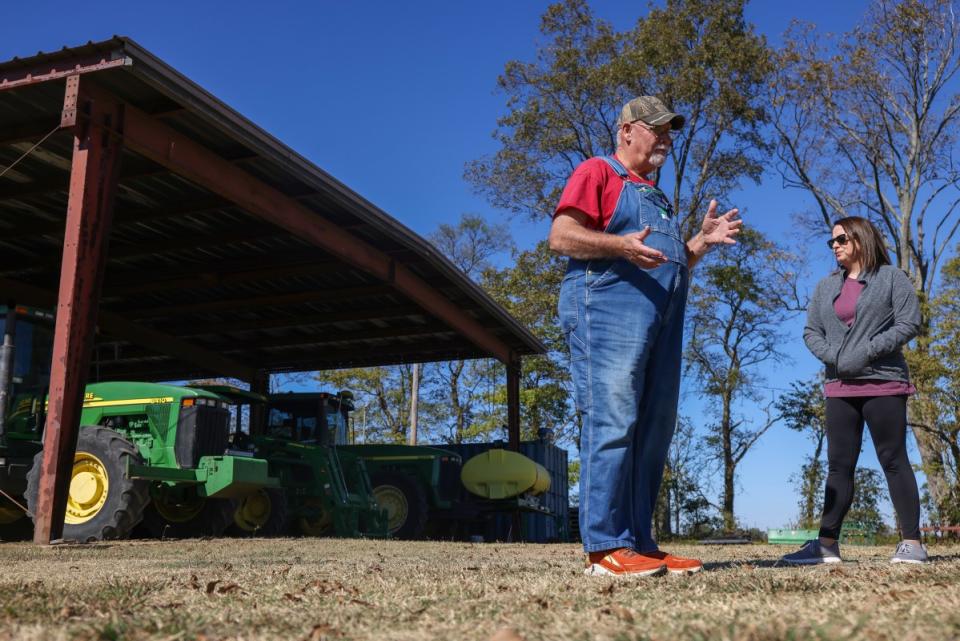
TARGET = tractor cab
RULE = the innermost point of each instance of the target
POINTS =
(310, 418)
(26, 348)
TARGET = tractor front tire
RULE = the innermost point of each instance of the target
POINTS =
(186, 514)
(263, 513)
(405, 502)
(102, 503)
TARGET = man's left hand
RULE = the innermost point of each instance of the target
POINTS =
(720, 229)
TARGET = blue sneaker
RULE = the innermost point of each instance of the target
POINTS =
(813, 552)
(909, 553)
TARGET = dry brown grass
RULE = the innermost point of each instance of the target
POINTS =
(315, 589)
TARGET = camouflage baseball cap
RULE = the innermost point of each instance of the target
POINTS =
(650, 110)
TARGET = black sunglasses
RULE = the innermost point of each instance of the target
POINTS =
(839, 240)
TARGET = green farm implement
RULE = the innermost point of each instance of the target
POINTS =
(324, 490)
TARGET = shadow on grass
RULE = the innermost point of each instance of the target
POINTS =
(752, 564)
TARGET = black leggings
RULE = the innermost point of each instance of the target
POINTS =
(887, 418)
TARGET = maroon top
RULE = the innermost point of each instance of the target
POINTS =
(846, 308)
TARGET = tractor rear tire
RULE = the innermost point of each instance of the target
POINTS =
(102, 503)
(263, 513)
(405, 502)
(191, 518)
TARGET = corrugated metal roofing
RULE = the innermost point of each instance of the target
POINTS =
(189, 264)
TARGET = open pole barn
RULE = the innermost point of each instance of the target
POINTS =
(176, 239)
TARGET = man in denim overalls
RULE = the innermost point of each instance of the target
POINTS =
(621, 307)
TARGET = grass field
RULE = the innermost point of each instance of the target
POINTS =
(313, 589)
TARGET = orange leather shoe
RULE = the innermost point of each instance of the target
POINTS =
(675, 564)
(623, 562)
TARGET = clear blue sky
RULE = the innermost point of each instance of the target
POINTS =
(393, 98)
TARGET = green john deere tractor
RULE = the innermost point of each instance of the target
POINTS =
(404, 485)
(146, 452)
(426, 491)
(324, 491)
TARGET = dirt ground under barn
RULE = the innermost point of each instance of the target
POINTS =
(315, 589)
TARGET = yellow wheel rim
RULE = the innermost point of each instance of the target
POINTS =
(254, 511)
(318, 525)
(178, 511)
(394, 501)
(89, 488)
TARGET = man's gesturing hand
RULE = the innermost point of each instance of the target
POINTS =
(638, 253)
(720, 229)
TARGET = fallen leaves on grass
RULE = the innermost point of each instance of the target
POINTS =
(506, 634)
(608, 589)
(226, 588)
(322, 632)
(159, 593)
(329, 587)
(618, 611)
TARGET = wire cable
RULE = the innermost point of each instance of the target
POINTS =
(29, 151)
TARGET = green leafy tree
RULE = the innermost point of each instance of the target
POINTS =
(682, 504)
(945, 373)
(867, 124)
(528, 289)
(802, 409)
(381, 397)
(461, 390)
(699, 55)
(737, 312)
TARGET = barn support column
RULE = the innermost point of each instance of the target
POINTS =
(258, 411)
(513, 403)
(97, 144)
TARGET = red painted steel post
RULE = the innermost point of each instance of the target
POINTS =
(93, 179)
(513, 403)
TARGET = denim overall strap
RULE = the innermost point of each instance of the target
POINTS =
(653, 210)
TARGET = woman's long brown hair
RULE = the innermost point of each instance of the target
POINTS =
(870, 248)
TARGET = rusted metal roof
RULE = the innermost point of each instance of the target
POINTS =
(191, 267)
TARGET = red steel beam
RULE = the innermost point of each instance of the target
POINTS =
(93, 182)
(45, 72)
(153, 139)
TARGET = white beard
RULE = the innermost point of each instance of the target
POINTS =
(658, 158)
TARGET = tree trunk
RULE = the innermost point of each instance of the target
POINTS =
(729, 467)
(812, 486)
(729, 522)
(665, 514)
(923, 416)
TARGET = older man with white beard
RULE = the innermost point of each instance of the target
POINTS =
(621, 308)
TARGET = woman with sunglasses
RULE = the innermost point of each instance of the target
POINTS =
(858, 321)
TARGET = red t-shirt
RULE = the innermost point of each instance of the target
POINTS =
(594, 189)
